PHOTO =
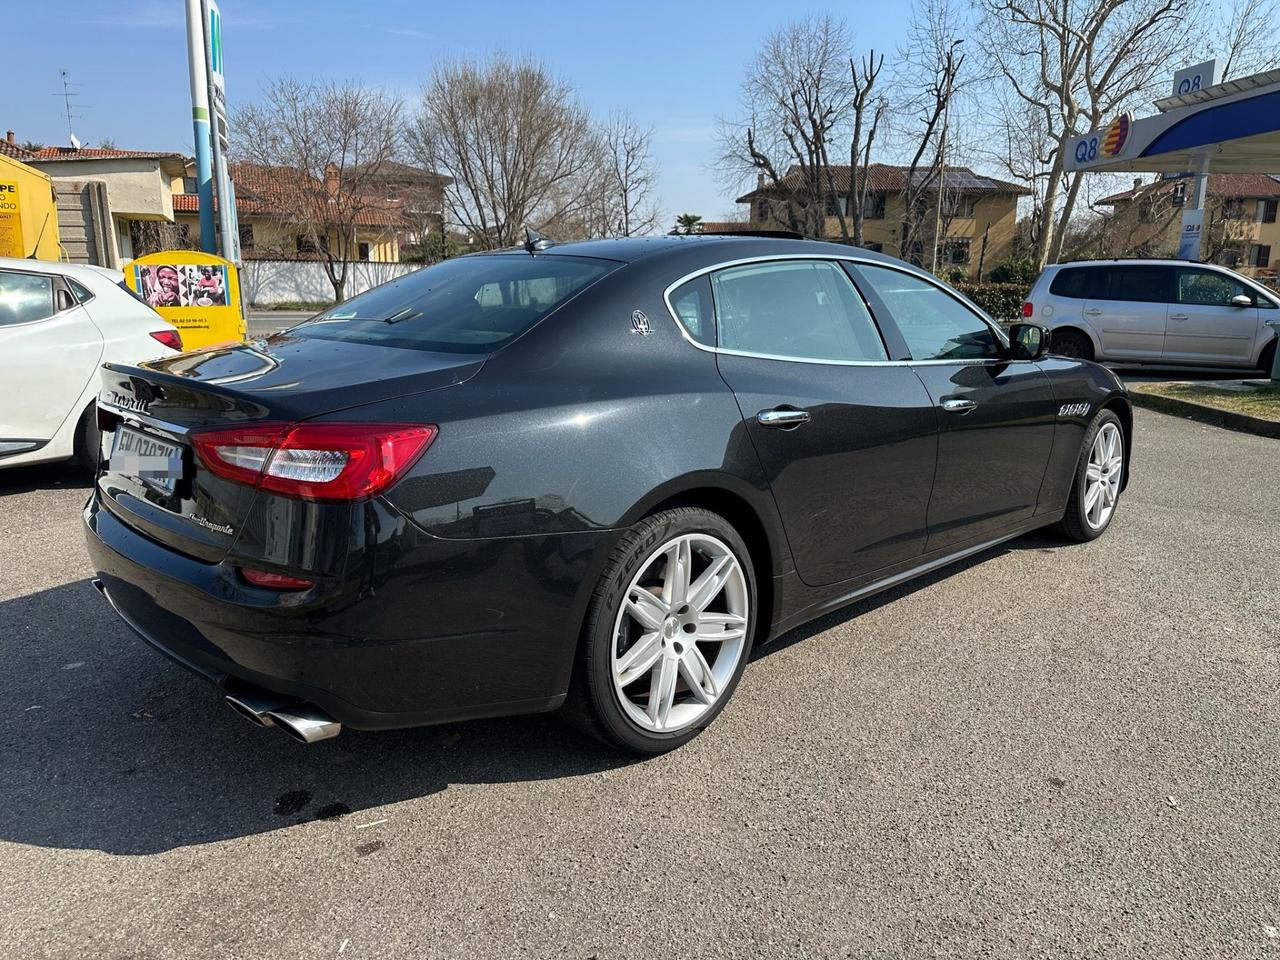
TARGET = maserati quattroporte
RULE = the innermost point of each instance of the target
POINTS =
(588, 477)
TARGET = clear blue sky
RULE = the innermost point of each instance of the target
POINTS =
(675, 65)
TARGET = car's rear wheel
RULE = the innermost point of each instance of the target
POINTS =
(668, 633)
(88, 441)
(1099, 477)
(1072, 344)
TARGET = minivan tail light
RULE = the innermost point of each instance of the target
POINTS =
(1028, 310)
(315, 461)
(170, 338)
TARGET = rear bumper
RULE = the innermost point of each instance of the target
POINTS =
(449, 630)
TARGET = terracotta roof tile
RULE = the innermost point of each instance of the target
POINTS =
(890, 179)
(13, 150)
(101, 153)
(1261, 185)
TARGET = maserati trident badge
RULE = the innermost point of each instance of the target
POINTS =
(640, 323)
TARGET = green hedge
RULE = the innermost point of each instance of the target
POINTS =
(1002, 300)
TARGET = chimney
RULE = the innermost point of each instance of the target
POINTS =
(331, 179)
(8, 137)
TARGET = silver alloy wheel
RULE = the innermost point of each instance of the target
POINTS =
(680, 632)
(1102, 476)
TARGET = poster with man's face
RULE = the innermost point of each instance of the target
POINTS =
(183, 285)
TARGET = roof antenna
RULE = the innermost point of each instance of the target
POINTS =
(535, 242)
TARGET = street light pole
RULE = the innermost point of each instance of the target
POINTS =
(196, 60)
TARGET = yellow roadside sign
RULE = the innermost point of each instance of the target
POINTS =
(198, 293)
(11, 244)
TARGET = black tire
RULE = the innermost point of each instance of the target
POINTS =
(593, 705)
(1072, 344)
(88, 442)
(1075, 524)
(1266, 362)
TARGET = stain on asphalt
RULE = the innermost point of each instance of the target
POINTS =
(291, 802)
(367, 848)
(331, 811)
(1057, 782)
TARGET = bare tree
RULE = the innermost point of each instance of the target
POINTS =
(329, 142)
(628, 179)
(518, 145)
(1248, 32)
(869, 111)
(1078, 62)
(796, 97)
(932, 53)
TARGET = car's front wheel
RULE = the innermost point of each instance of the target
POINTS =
(668, 633)
(1095, 492)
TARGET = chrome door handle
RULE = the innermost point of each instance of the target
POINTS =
(782, 417)
(1177, 316)
(1095, 312)
(956, 405)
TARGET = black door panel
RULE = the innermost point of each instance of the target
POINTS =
(991, 455)
(852, 482)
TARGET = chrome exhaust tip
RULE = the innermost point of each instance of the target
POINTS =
(255, 709)
(305, 723)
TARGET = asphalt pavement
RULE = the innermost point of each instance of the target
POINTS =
(1050, 750)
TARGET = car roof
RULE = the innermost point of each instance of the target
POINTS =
(66, 269)
(710, 247)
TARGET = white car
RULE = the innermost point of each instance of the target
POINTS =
(1168, 312)
(59, 322)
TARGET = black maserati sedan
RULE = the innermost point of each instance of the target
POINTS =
(588, 477)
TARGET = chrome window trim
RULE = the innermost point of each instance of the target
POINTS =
(726, 264)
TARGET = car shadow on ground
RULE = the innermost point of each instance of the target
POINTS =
(107, 745)
(44, 476)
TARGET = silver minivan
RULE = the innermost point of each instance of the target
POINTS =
(1155, 311)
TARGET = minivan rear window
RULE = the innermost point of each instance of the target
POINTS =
(466, 305)
(1075, 283)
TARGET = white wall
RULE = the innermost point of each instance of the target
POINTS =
(268, 282)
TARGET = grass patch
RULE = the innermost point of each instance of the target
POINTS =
(1260, 402)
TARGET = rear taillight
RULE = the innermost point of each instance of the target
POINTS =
(170, 338)
(1027, 309)
(315, 461)
(275, 581)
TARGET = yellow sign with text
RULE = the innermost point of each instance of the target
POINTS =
(198, 293)
(11, 244)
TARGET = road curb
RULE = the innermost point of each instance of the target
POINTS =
(1210, 415)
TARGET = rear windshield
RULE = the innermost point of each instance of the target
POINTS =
(467, 305)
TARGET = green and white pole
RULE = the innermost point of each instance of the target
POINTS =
(200, 122)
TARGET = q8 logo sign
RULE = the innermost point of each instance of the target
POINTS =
(1108, 144)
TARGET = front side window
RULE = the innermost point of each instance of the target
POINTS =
(465, 305)
(935, 324)
(25, 297)
(798, 309)
(692, 304)
(1209, 288)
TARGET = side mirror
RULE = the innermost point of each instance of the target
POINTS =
(1242, 300)
(1028, 341)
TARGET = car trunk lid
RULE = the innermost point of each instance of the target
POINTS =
(150, 477)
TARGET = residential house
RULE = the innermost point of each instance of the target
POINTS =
(400, 205)
(108, 200)
(979, 213)
(1241, 229)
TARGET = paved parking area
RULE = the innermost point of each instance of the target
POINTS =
(1048, 751)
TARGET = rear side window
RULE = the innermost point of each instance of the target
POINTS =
(691, 302)
(83, 293)
(795, 309)
(1076, 283)
(25, 297)
(467, 305)
(1142, 284)
(1209, 288)
(935, 325)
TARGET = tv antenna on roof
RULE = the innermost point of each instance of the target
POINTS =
(66, 96)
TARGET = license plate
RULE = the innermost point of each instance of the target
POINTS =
(147, 458)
